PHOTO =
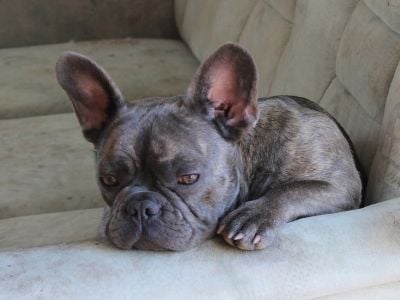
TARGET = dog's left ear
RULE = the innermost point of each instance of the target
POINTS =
(225, 88)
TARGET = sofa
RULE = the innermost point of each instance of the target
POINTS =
(342, 54)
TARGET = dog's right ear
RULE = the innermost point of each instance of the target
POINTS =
(95, 98)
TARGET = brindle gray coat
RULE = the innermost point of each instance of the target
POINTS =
(174, 171)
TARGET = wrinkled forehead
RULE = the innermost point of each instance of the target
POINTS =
(173, 137)
(161, 137)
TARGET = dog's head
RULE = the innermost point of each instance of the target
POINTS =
(167, 168)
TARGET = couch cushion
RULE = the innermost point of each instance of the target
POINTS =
(47, 229)
(265, 35)
(311, 257)
(41, 22)
(46, 166)
(388, 291)
(285, 8)
(208, 24)
(384, 181)
(388, 11)
(262, 26)
(141, 68)
(179, 9)
(367, 58)
(307, 65)
(362, 129)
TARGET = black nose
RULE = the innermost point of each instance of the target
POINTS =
(142, 208)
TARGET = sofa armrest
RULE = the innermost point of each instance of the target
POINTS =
(312, 257)
(24, 23)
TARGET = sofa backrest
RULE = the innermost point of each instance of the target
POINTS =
(38, 22)
(342, 54)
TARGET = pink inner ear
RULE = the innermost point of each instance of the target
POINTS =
(228, 96)
(225, 86)
(93, 110)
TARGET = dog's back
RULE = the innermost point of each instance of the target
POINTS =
(299, 141)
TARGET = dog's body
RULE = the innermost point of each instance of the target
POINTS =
(173, 170)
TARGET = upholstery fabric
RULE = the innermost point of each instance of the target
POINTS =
(35, 22)
(46, 166)
(368, 76)
(307, 65)
(384, 182)
(311, 257)
(48, 229)
(285, 8)
(140, 67)
(361, 127)
(265, 36)
(388, 11)
(180, 8)
(390, 291)
(208, 24)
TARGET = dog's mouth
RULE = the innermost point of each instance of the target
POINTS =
(154, 221)
(154, 224)
(167, 231)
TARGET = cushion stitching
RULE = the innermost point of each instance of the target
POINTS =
(279, 13)
(380, 18)
(246, 21)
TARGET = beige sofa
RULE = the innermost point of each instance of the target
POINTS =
(342, 54)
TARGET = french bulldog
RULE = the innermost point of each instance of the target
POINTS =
(175, 171)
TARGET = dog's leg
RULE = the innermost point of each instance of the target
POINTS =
(253, 224)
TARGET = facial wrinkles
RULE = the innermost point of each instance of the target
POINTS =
(174, 199)
(153, 140)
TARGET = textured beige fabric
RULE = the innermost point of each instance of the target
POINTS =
(208, 24)
(384, 181)
(180, 7)
(141, 68)
(312, 257)
(285, 8)
(265, 36)
(35, 22)
(50, 228)
(360, 126)
(388, 11)
(46, 166)
(307, 65)
(390, 291)
(367, 58)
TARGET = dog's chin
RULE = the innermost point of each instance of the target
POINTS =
(145, 244)
(139, 245)
(153, 240)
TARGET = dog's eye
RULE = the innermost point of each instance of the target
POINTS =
(109, 180)
(188, 179)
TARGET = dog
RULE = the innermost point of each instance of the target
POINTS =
(175, 171)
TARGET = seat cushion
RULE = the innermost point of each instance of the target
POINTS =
(46, 166)
(140, 67)
(50, 228)
(311, 257)
(384, 180)
(388, 291)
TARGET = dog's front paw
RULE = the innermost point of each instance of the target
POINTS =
(249, 227)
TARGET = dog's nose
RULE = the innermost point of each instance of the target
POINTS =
(143, 208)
